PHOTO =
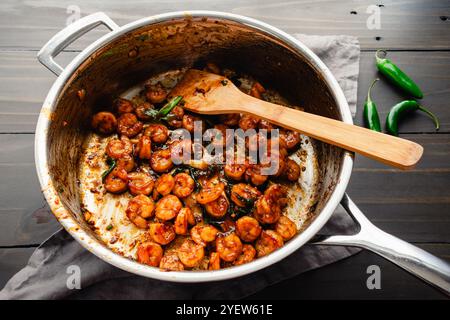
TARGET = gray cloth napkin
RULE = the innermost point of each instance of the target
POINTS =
(48, 272)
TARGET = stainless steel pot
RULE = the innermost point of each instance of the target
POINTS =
(151, 45)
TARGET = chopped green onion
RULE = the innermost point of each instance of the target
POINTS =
(164, 111)
(112, 164)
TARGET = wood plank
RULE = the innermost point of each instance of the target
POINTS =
(346, 279)
(24, 215)
(413, 205)
(411, 24)
(11, 261)
(25, 83)
(24, 86)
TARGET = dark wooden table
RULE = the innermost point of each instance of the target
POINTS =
(413, 205)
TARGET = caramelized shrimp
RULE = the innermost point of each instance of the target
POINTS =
(165, 184)
(126, 162)
(244, 195)
(161, 233)
(117, 181)
(235, 171)
(149, 253)
(203, 233)
(168, 207)
(208, 233)
(129, 125)
(184, 185)
(142, 109)
(214, 261)
(119, 148)
(229, 247)
(268, 242)
(266, 210)
(277, 193)
(248, 254)
(231, 119)
(188, 122)
(291, 170)
(197, 210)
(253, 174)
(104, 122)
(212, 190)
(217, 208)
(157, 132)
(268, 207)
(171, 262)
(161, 160)
(123, 106)
(139, 209)
(289, 139)
(176, 117)
(286, 228)
(248, 229)
(182, 221)
(248, 122)
(140, 183)
(155, 93)
(144, 148)
(191, 253)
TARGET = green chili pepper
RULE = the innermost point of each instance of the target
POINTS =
(371, 117)
(397, 76)
(404, 106)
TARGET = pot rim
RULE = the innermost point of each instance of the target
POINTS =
(104, 253)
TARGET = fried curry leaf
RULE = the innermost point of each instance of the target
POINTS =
(177, 170)
(248, 202)
(194, 175)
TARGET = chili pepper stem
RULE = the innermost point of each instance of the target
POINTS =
(432, 116)
(370, 89)
(376, 54)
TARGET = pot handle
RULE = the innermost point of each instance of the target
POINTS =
(69, 34)
(411, 258)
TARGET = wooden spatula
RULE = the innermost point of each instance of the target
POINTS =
(208, 93)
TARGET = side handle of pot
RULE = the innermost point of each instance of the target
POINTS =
(411, 258)
(68, 35)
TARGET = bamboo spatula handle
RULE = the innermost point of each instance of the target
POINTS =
(388, 149)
